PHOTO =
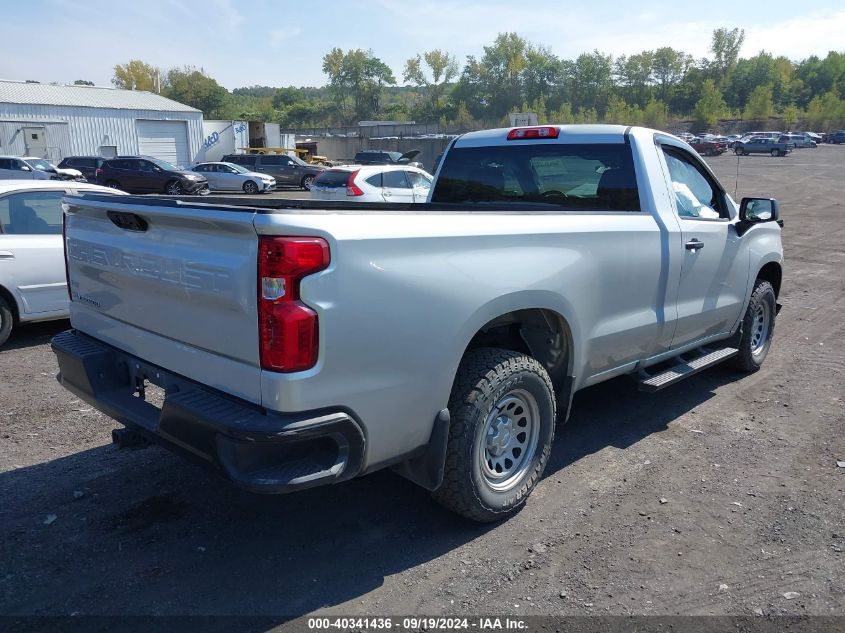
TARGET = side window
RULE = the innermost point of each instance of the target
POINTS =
(18, 165)
(395, 180)
(202, 168)
(272, 161)
(418, 180)
(32, 213)
(143, 165)
(375, 180)
(5, 163)
(695, 194)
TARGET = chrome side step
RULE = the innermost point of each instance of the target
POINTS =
(684, 369)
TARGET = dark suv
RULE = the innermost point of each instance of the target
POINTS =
(383, 157)
(88, 165)
(836, 137)
(144, 174)
(287, 170)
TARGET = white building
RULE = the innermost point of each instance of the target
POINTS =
(58, 121)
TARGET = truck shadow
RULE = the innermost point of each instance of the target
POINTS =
(143, 532)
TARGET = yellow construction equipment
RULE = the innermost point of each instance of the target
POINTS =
(305, 154)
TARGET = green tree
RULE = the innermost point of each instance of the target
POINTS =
(563, 114)
(634, 74)
(826, 112)
(432, 70)
(83, 82)
(710, 107)
(725, 45)
(668, 67)
(592, 81)
(790, 116)
(759, 106)
(356, 80)
(193, 87)
(655, 114)
(136, 75)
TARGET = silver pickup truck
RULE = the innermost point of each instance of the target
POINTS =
(294, 343)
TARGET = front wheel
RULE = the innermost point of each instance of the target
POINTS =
(174, 188)
(307, 182)
(250, 187)
(775, 152)
(738, 151)
(502, 410)
(758, 327)
(6, 320)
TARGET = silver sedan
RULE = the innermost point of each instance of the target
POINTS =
(232, 177)
(32, 263)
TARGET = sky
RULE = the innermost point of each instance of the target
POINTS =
(282, 42)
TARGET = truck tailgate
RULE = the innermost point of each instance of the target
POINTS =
(145, 273)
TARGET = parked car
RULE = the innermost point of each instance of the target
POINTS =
(32, 262)
(836, 137)
(374, 183)
(232, 177)
(287, 170)
(88, 165)
(797, 140)
(34, 168)
(761, 145)
(709, 146)
(145, 174)
(382, 157)
(446, 342)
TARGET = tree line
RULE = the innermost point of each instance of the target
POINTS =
(652, 87)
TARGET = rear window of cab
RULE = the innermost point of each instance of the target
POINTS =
(576, 177)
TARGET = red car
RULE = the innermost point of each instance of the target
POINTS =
(709, 147)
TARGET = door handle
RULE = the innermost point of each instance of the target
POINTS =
(694, 244)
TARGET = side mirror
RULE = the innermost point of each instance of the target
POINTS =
(756, 210)
(26, 168)
(759, 210)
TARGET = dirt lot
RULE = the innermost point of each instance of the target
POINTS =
(747, 465)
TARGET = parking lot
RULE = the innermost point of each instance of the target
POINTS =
(716, 496)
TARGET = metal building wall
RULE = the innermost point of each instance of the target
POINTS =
(87, 129)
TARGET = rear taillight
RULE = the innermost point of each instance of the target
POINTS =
(98, 172)
(288, 329)
(351, 188)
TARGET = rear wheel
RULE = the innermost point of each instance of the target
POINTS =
(307, 182)
(113, 184)
(758, 326)
(174, 188)
(6, 320)
(250, 187)
(502, 410)
(775, 152)
(738, 151)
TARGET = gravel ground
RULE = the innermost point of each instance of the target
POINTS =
(720, 495)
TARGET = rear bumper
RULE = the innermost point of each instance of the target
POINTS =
(258, 450)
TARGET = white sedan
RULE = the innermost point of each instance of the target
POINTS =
(33, 286)
(232, 177)
(372, 183)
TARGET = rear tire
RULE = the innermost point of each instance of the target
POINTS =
(502, 410)
(775, 152)
(113, 184)
(307, 182)
(250, 187)
(7, 320)
(758, 327)
(738, 151)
